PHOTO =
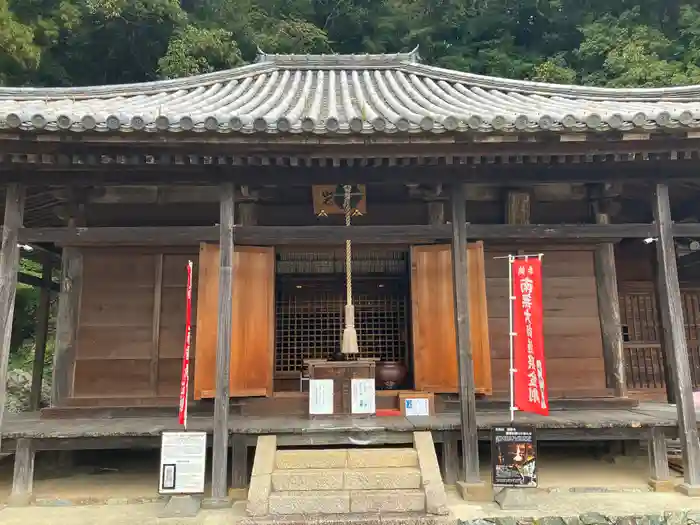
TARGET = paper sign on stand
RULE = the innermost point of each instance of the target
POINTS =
(363, 396)
(320, 397)
(182, 462)
(419, 406)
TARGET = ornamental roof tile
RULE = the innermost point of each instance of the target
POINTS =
(358, 94)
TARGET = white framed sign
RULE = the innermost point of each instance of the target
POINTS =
(320, 397)
(363, 396)
(182, 462)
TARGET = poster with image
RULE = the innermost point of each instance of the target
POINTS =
(513, 457)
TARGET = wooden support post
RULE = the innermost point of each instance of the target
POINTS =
(450, 457)
(665, 349)
(659, 474)
(609, 310)
(155, 326)
(9, 264)
(674, 338)
(239, 468)
(42, 330)
(67, 325)
(517, 207)
(247, 213)
(436, 212)
(23, 474)
(467, 393)
(219, 490)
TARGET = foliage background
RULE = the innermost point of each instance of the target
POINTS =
(606, 43)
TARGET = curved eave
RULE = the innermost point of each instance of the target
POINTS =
(347, 94)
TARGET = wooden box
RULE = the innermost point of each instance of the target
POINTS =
(403, 396)
(342, 373)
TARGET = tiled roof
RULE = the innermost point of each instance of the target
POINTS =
(346, 94)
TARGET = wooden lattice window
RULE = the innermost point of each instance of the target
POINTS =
(310, 303)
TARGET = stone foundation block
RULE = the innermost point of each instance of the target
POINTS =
(382, 478)
(387, 501)
(301, 502)
(309, 479)
(475, 491)
(661, 485)
(181, 507)
(318, 459)
(517, 498)
(379, 458)
(692, 491)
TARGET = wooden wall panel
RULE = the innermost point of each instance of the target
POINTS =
(207, 311)
(112, 378)
(252, 330)
(479, 318)
(572, 338)
(253, 327)
(132, 323)
(434, 340)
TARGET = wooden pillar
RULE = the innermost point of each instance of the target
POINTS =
(67, 324)
(674, 338)
(9, 265)
(23, 474)
(467, 399)
(609, 309)
(659, 473)
(42, 331)
(219, 490)
(239, 467)
(450, 457)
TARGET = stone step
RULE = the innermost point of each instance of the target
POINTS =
(382, 478)
(341, 458)
(305, 502)
(346, 479)
(383, 501)
(288, 503)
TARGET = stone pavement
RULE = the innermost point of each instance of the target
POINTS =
(554, 508)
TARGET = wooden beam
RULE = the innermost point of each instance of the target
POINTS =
(67, 325)
(465, 360)
(487, 173)
(42, 332)
(609, 306)
(219, 489)
(289, 235)
(674, 329)
(9, 263)
(686, 229)
(38, 282)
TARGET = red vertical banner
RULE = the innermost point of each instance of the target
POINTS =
(185, 377)
(530, 381)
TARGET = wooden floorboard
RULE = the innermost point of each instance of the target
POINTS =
(33, 426)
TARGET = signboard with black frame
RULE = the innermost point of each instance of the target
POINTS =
(514, 456)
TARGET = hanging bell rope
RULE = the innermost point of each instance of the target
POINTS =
(349, 343)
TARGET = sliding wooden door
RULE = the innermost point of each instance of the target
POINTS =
(252, 328)
(434, 339)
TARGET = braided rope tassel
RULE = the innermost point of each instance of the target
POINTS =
(349, 343)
